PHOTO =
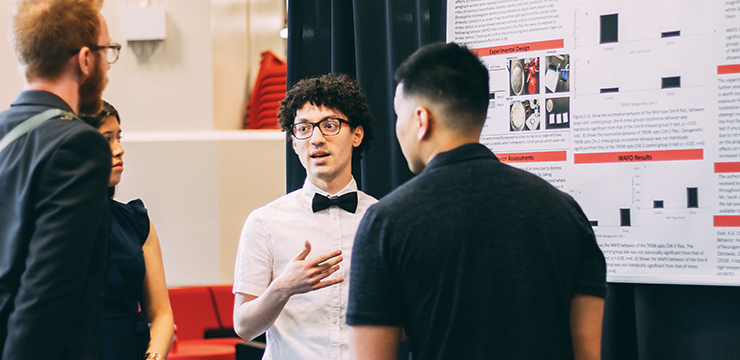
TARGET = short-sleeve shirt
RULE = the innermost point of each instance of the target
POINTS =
(311, 326)
(476, 260)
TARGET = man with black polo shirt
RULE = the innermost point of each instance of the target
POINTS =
(473, 258)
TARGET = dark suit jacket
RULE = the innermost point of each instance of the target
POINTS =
(54, 231)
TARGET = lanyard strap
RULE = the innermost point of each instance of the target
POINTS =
(31, 123)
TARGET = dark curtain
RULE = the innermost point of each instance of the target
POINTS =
(646, 322)
(368, 40)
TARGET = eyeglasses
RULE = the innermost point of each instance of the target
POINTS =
(328, 127)
(112, 51)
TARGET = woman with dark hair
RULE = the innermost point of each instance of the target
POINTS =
(135, 271)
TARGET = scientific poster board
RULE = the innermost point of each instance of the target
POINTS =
(631, 107)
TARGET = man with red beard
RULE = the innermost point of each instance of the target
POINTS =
(53, 194)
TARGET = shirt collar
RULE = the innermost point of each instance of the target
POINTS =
(44, 98)
(463, 153)
(309, 189)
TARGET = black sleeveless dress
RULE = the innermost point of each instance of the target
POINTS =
(125, 331)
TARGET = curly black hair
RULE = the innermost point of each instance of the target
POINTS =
(339, 92)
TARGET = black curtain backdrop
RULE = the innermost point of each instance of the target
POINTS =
(368, 40)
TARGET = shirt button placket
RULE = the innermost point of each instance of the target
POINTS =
(336, 291)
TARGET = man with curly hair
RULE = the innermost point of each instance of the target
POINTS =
(275, 279)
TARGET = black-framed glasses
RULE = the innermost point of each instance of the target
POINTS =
(328, 127)
(112, 51)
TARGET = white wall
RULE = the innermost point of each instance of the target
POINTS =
(199, 188)
(172, 88)
(11, 82)
(181, 106)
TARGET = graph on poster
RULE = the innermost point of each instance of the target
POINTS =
(632, 108)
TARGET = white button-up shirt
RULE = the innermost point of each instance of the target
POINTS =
(311, 326)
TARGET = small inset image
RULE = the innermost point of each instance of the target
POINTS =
(557, 113)
(557, 73)
(524, 76)
(524, 115)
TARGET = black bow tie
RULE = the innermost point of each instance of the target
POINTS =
(347, 202)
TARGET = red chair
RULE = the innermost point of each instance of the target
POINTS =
(274, 93)
(267, 120)
(276, 79)
(194, 312)
(269, 90)
(197, 350)
(223, 304)
(223, 298)
(273, 97)
(267, 105)
(268, 124)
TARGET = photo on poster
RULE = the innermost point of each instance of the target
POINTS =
(524, 115)
(524, 76)
(557, 113)
(557, 73)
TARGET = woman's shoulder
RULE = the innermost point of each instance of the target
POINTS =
(133, 213)
(135, 206)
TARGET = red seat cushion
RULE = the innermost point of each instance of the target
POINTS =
(202, 349)
(193, 310)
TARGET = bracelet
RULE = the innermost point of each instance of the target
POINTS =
(152, 356)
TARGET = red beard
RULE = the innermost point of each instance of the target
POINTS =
(91, 89)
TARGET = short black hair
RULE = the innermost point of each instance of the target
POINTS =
(450, 75)
(339, 92)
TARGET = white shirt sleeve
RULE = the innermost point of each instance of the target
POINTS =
(253, 270)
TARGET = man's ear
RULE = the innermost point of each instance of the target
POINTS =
(425, 119)
(357, 135)
(292, 139)
(84, 60)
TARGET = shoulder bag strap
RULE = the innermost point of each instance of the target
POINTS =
(31, 123)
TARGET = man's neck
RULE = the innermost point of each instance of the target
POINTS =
(66, 89)
(334, 185)
(447, 144)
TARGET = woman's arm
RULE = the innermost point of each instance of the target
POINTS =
(155, 301)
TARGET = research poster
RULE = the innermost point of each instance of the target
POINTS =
(631, 107)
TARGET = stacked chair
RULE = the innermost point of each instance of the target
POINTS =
(269, 90)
